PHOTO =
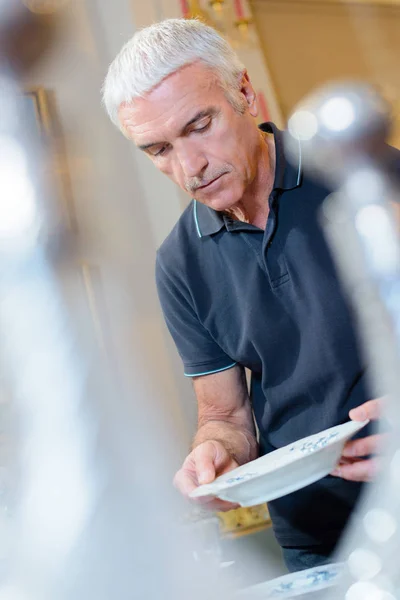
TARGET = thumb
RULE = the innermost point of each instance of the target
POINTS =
(205, 467)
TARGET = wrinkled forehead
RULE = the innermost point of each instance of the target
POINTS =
(170, 103)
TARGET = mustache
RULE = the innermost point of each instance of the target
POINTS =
(195, 183)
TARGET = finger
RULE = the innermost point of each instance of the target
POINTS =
(185, 484)
(185, 481)
(346, 461)
(204, 457)
(369, 410)
(364, 446)
(362, 470)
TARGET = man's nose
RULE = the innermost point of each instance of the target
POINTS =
(192, 160)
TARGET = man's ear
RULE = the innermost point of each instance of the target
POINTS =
(247, 90)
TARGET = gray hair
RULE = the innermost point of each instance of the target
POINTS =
(161, 49)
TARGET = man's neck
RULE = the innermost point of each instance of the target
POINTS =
(254, 207)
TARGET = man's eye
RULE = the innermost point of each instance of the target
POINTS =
(203, 126)
(161, 151)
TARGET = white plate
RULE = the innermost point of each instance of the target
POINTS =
(295, 584)
(283, 471)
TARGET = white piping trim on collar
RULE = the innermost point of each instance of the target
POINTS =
(300, 160)
(195, 218)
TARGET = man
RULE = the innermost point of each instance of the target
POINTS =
(245, 278)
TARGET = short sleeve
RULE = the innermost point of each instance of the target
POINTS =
(200, 354)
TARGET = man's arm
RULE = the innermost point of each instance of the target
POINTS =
(224, 413)
(226, 435)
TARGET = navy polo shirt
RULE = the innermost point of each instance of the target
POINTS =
(271, 301)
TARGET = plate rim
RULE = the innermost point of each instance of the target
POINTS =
(361, 425)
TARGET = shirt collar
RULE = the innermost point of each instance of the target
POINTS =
(288, 174)
(287, 177)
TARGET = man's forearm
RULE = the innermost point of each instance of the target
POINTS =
(240, 443)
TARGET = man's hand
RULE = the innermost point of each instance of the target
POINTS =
(352, 466)
(225, 437)
(206, 462)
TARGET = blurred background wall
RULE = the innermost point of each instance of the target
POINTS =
(122, 207)
(310, 42)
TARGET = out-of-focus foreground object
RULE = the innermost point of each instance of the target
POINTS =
(341, 130)
(85, 508)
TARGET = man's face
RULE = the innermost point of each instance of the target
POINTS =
(193, 134)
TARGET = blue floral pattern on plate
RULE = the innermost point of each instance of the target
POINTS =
(304, 448)
(308, 447)
(240, 478)
(307, 581)
(296, 584)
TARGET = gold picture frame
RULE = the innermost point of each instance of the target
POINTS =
(366, 2)
(94, 292)
(43, 125)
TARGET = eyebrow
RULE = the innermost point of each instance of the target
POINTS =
(208, 112)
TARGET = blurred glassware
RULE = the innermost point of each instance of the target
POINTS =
(341, 130)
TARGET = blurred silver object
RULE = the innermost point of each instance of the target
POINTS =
(94, 514)
(342, 131)
(338, 127)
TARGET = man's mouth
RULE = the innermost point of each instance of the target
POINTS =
(206, 185)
